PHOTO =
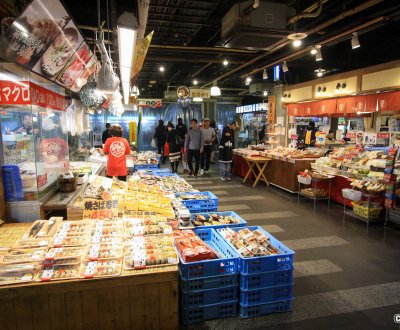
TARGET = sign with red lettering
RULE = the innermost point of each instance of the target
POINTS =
(98, 209)
(383, 135)
(45, 98)
(294, 137)
(351, 135)
(42, 180)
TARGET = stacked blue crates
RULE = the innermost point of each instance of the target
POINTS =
(266, 283)
(207, 204)
(209, 288)
(12, 183)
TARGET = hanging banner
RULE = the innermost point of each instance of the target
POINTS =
(141, 49)
(199, 92)
(149, 103)
(133, 132)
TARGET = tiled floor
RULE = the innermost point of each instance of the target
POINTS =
(347, 275)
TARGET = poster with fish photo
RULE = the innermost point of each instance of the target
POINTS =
(30, 35)
(57, 55)
(92, 67)
(75, 66)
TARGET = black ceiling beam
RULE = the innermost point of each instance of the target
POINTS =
(173, 15)
(179, 8)
(180, 22)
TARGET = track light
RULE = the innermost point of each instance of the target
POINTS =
(225, 62)
(297, 43)
(320, 72)
(285, 67)
(248, 81)
(265, 93)
(313, 51)
(161, 68)
(296, 37)
(265, 74)
(354, 41)
(344, 85)
(195, 82)
(318, 53)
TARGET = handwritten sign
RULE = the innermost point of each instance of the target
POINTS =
(99, 209)
(383, 135)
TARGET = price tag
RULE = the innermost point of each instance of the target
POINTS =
(47, 274)
(351, 135)
(50, 255)
(294, 137)
(98, 209)
(91, 269)
(94, 252)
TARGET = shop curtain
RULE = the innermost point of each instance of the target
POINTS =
(226, 113)
(389, 101)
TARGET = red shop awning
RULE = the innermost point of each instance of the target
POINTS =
(295, 109)
(389, 101)
(366, 103)
(325, 107)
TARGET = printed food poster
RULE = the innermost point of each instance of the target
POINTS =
(395, 139)
(369, 138)
(59, 52)
(75, 66)
(90, 68)
(28, 38)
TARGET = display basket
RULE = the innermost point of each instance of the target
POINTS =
(365, 212)
(205, 283)
(209, 312)
(304, 180)
(266, 295)
(266, 279)
(255, 265)
(210, 296)
(227, 264)
(226, 214)
(394, 215)
(351, 194)
(208, 204)
(264, 309)
(67, 185)
(138, 167)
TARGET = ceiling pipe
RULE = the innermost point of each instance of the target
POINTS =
(322, 43)
(282, 43)
(215, 49)
(188, 59)
(306, 14)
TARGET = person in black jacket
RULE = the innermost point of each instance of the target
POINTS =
(225, 152)
(174, 144)
(161, 136)
(106, 134)
(182, 130)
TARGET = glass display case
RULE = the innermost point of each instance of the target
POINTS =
(33, 134)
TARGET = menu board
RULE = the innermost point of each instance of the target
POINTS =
(44, 39)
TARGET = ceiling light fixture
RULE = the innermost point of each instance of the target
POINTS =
(248, 81)
(265, 74)
(313, 51)
(161, 68)
(225, 62)
(355, 43)
(127, 33)
(285, 67)
(297, 37)
(197, 99)
(195, 82)
(318, 53)
(320, 72)
(265, 93)
(215, 90)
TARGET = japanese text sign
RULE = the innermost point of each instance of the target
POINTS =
(99, 209)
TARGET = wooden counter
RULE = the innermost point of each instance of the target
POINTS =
(140, 300)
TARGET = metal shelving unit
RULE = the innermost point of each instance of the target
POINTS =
(314, 185)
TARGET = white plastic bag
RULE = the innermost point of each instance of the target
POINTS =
(107, 81)
(153, 143)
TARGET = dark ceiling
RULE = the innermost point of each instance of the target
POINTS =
(187, 41)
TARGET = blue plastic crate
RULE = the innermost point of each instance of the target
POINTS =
(208, 204)
(281, 261)
(266, 295)
(12, 183)
(209, 312)
(227, 264)
(228, 213)
(266, 279)
(139, 167)
(264, 309)
(205, 283)
(211, 296)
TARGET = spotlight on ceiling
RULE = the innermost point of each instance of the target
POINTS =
(225, 62)
(318, 54)
(297, 37)
(355, 43)
(215, 90)
(265, 93)
(161, 68)
(195, 82)
(313, 51)
(320, 72)
(265, 74)
(285, 67)
(297, 43)
(248, 81)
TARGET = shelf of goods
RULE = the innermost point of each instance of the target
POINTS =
(283, 168)
(78, 294)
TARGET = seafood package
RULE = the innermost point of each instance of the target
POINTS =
(191, 247)
(193, 196)
(102, 251)
(72, 228)
(66, 241)
(57, 272)
(63, 253)
(100, 238)
(114, 223)
(16, 277)
(149, 243)
(214, 219)
(42, 229)
(147, 221)
(249, 243)
(148, 230)
(24, 255)
(101, 268)
(142, 259)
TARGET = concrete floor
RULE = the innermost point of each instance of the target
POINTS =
(347, 276)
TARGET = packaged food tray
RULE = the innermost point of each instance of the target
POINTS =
(227, 264)
(209, 312)
(266, 295)
(211, 282)
(304, 180)
(222, 225)
(211, 296)
(266, 279)
(368, 213)
(208, 204)
(351, 194)
(281, 261)
(264, 309)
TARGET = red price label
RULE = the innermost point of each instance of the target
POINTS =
(42, 180)
(383, 135)
(102, 214)
(294, 137)
(351, 135)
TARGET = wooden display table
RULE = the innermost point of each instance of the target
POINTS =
(138, 300)
(260, 163)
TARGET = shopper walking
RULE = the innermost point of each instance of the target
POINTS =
(182, 131)
(209, 137)
(116, 147)
(194, 146)
(160, 135)
(225, 152)
(174, 144)
(213, 124)
(106, 134)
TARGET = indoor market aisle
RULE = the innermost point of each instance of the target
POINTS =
(346, 276)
